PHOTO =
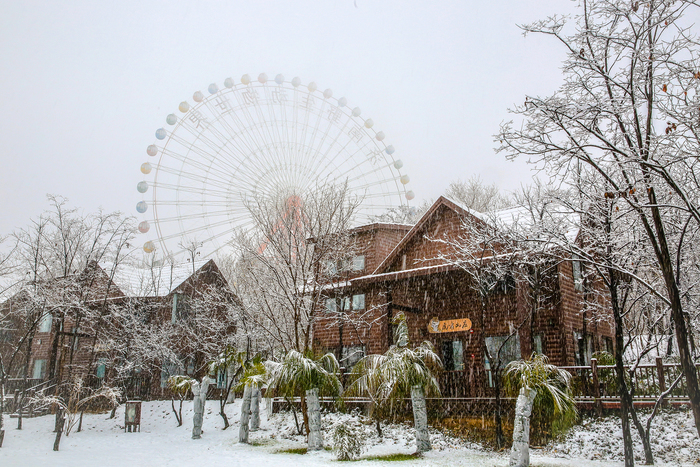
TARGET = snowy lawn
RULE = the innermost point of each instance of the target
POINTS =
(674, 440)
(104, 443)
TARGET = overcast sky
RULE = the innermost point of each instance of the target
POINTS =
(86, 84)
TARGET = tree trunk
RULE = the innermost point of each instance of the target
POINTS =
(200, 399)
(520, 452)
(255, 410)
(245, 415)
(222, 412)
(304, 414)
(80, 422)
(677, 314)
(57, 422)
(114, 411)
(59, 431)
(625, 399)
(420, 419)
(178, 417)
(500, 437)
(20, 406)
(314, 410)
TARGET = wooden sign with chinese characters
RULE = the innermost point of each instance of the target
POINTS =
(450, 325)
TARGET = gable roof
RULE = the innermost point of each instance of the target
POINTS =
(518, 217)
(442, 201)
(156, 281)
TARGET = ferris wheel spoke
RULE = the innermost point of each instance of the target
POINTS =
(202, 228)
(194, 164)
(340, 132)
(238, 139)
(376, 168)
(193, 177)
(331, 158)
(188, 189)
(199, 150)
(311, 145)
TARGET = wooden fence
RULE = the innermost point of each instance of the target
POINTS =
(596, 385)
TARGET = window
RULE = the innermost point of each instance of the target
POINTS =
(39, 369)
(221, 379)
(358, 263)
(76, 338)
(583, 349)
(167, 370)
(577, 269)
(351, 355)
(358, 302)
(453, 355)
(608, 343)
(331, 268)
(355, 303)
(45, 323)
(537, 341)
(101, 368)
(181, 307)
(509, 347)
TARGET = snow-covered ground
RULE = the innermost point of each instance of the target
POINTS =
(103, 443)
(674, 440)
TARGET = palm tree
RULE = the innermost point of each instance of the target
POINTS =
(305, 376)
(230, 364)
(180, 386)
(399, 372)
(254, 378)
(536, 378)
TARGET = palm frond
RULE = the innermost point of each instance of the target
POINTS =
(550, 382)
(297, 373)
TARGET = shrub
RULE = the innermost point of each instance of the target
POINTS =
(348, 442)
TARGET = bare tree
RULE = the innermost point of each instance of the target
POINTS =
(60, 288)
(628, 110)
(474, 194)
(282, 263)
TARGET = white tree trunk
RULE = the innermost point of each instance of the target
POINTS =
(200, 398)
(255, 410)
(245, 415)
(314, 412)
(420, 419)
(520, 453)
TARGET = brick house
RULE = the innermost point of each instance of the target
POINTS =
(66, 312)
(55, 322)
(405, 270)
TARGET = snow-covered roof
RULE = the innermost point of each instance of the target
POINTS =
(510, 218)
(520, 217)
(158, 280)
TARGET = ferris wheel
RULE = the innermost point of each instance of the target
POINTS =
(253, 138)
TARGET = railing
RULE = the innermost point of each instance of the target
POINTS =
(598, 383)
(20, 384)
(589, 383)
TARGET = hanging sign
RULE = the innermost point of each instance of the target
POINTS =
(450, 325)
